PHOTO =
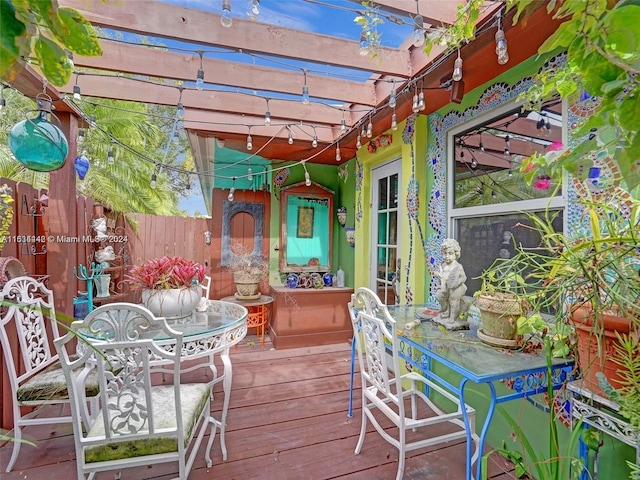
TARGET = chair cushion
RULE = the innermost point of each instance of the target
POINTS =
(194, 397)
(50, 384)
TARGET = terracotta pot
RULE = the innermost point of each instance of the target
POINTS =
(596, 345)
(173, 302)
(499, 314)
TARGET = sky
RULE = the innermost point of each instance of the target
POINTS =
(330, 17)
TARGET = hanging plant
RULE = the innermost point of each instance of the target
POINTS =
(6, 213)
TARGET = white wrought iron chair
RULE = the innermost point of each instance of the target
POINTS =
(141, 421)
(386, 391)
(28, 326)
(206, 286)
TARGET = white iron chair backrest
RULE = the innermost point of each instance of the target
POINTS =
(138, 413)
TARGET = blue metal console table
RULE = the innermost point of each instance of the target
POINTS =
(463, 353)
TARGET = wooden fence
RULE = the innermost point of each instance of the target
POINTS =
(53, 251)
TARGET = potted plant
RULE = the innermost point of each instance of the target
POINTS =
(248, 269)
(502, 300)
(171, 285)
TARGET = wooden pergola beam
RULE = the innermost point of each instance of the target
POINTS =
(160, 63)
(148, 17)
(124, 88)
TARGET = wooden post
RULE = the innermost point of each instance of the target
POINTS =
(62, 256)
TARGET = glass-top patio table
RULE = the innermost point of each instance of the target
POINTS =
(474, 361)
(213, 331)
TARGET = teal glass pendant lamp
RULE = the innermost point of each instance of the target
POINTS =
(37, 143)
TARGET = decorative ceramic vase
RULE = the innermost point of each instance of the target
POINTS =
(350, 233)
(102, 285)
(247, 286)
(172, 302)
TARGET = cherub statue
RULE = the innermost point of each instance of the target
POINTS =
(453, 305)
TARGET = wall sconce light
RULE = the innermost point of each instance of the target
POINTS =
(341, 213)
(207, 237)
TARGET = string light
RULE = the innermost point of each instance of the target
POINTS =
(307, 177)
(394, 121)
(249, 173)
(253, 10)
(154, 178)
(249, 140)
(232, 190)
(290, 139)
(457, 69)
(370, 129)
(267, 114)
(392, 96)
(76, 91)
(314, 142)
(414, 105)
(364, 45)
(111, 154)
(338, 156)
(358, 142)
(305, 89)
(80, 139)
(418, 32)
(481, 145)
(501, 45)
(507, 146)
(343, 123)
(226, 19)
(421, 104)
(200, 74)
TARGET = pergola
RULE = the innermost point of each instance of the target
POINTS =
(225, 111)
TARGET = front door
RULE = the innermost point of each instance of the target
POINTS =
(384, 273)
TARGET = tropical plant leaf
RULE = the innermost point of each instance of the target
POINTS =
(14, 41)
(81, 37)
(53, 61)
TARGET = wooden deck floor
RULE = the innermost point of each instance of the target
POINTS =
(287, 420)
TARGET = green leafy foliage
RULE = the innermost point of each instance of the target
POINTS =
(39, 31)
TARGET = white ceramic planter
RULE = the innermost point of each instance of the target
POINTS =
(172, 302)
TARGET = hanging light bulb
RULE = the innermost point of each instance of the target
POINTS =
(474, 162)
(200, 74)
(370, 128)
(249, 143)
(249, 174)
(363, 133)
(457, 69)
(501, 46)
(307, 177)
(187, 188)
(507, 146)
(253, 10)
(414, 105)
(267, 115)
(364, 45)
(481, 145)
(69, 55)
(36, 142)
(180, 111)
(392, 96)
(338, 156)
(76, 93)
(226, 19)
(290, 139)
(540, 123)
(232, 190)
(421, 104)
(154, 178)
(111, 155)
(314, 143)
(418, 32)
(343, 124)
(80, 139)
(394, 121)
(358, 142)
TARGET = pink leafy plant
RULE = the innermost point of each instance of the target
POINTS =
(166, 272)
